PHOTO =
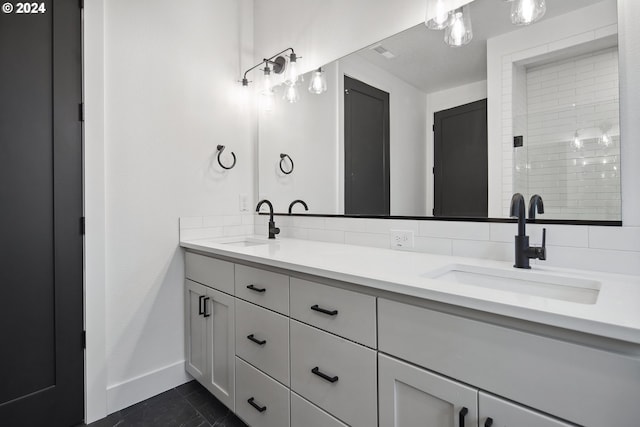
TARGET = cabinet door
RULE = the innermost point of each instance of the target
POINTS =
(413, 397)
(220, 375)
(495, 412)
(195, 330)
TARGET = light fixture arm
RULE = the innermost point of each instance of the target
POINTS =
(276, 60)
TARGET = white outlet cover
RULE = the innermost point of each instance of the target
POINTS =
(401, 239)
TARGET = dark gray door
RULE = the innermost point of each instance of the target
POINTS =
(460, 160)
(41, 296)
(366, 149)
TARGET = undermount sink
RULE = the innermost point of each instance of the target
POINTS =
(582, 291)
(244, 242)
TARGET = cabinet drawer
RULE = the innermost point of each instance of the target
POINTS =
(260, 400)
(267, 289)
(582, 384)
(262, 339)
(210, 272)
(306, 414)
(348, 388)
(345, 313)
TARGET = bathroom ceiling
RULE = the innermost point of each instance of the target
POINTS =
(423, 60)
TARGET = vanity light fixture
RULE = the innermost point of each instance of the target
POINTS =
(525, 12)
(441, 18)
(278, 62)
(318, 83)
(458, 31)
(291, 93)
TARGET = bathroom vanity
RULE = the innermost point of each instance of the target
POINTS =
(303, 333)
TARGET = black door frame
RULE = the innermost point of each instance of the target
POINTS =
(62, 404)
(353, 84)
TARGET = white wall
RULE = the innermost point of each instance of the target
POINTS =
(407, 134)
(170, 95)
(443, 100)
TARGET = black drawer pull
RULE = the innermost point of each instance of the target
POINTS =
(200, 310)
(204, 311)
(463, 413)
(255, 405)
(488, 422)
(253, 288)
(316, 371)
(322, 310)
(255, 340)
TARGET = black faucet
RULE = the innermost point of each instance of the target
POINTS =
(306, 208)
(273, 230)
(535, 203)
(524, 252)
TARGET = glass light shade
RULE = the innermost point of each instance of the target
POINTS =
(291, 94)
(525, 12)
(441, 18)
(267, 83)
(318, 83)
(459, 31)
(576, 143)
(291, 73)
(605, 139)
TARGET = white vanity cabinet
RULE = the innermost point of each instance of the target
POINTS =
(210, 326)
(410, 396)
(282, 348)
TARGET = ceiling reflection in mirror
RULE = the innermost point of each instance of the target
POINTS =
(549, 125)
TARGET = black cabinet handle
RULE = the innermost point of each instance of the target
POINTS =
(488, 422)
(253, 288)
(322, 310)
(255, 405)
(255, 340)
(204, 311)
(200, 311)
(316, 371)
(463, 413)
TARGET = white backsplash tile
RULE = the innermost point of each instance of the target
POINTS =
(557, 235)
(617, 238)
(487, 250)
(375, 240)
(611, 261)
(432, 245)
(190, 222)
(333, 236)
(455, 230)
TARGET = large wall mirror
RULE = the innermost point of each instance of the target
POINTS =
(410, 126)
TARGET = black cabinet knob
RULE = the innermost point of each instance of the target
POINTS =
(324, 310)
(324, 376)
(462, 414)
(255, 405)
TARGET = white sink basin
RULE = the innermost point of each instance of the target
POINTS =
(245, 242)
(528, 282)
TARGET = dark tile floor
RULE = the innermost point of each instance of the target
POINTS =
(189, 405)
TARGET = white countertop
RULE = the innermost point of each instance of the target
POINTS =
(615, 314)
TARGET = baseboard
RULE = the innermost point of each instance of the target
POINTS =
(125, 394)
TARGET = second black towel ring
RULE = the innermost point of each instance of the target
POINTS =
(220, 150)
(282, 157)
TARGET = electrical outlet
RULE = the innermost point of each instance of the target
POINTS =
(401, 239)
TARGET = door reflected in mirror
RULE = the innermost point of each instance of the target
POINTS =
(549, 125)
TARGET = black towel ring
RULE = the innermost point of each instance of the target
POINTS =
(220, 150)
(282, 157)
